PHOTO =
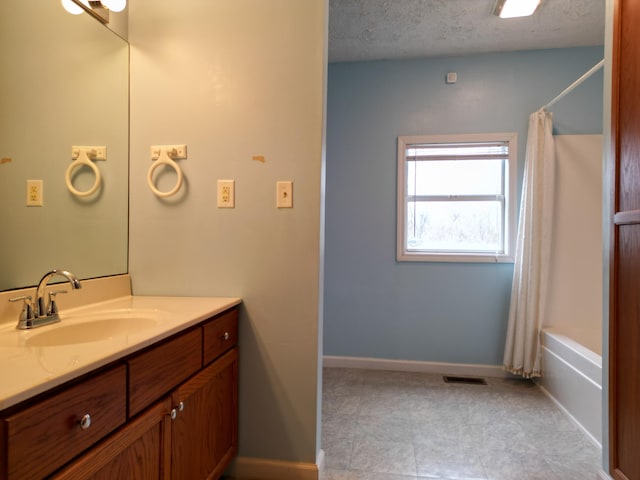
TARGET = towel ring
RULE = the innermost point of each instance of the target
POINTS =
(83, 160)
(165, 159)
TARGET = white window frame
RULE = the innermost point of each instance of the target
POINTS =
(510, 193)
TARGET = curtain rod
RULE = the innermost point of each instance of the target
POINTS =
(568, 90)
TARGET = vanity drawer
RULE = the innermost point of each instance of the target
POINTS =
(45, 436)
(156, 371)
(220, 334)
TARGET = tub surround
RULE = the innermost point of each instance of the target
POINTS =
(30, 370)
(572, 330)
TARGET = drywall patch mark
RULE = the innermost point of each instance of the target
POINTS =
(259, 158)
(5, 160)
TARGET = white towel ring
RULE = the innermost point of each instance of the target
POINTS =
(165, 159)
(83, 160)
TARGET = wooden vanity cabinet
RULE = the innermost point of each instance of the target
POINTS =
(43, 436)
(137, 451)
(219, 335)
(204, 435)
(196, 442)
(159, 369)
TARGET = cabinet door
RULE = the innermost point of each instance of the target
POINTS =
(204, 434)
(137, 451)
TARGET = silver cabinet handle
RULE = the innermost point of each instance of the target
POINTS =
(174, 411)
(85, 421)
(226, 335)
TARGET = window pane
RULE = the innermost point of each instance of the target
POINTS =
(454, 177)
(458, 149)
(454, 226)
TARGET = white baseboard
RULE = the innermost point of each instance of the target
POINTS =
(416, 366)
(602, 475)
(247, 468)
(320, 461)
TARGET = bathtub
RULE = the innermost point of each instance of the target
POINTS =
(572, 375)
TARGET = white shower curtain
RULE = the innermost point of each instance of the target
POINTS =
(533, 245)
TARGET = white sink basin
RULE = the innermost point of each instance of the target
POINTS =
(79, 328)
(89, 331)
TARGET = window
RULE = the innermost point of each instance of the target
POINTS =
(456, 198)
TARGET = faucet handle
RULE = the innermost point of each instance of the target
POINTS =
(27, 309)
(52, 308)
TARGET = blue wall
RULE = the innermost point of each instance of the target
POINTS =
(444, 312)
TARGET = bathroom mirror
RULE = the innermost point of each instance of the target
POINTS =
(64, 82)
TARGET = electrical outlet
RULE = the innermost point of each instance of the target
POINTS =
(284, 192)
(226, 194)
(34, 193)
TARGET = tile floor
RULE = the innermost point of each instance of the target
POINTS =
(380, 425)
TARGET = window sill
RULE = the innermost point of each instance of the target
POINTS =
(453, 257)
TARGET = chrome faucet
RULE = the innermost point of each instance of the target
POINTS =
(40, 313)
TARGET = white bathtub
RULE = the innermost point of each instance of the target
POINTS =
(572, 375)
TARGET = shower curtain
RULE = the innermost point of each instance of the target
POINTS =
(533, 245)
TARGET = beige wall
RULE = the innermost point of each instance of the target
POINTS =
(233, 79)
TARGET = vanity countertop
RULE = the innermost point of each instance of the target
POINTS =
(28, 368)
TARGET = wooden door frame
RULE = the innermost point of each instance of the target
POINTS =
(613, 176)
(618, 219)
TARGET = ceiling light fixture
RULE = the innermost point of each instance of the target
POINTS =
(515, 8)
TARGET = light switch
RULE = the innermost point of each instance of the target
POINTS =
(284, 190)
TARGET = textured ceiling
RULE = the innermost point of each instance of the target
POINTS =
(401, 29)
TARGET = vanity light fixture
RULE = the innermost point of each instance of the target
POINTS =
(114, 5)
(515, 8)
(72, 7)
(96, 8)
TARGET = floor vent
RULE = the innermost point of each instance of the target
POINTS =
(465, 380)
